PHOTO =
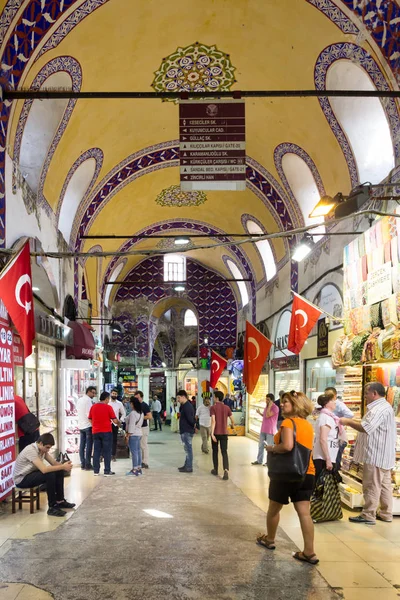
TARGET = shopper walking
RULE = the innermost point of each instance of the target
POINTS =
(134, 422)
(268, 427)
(341, 410)
(376, 449)
(327, 431)
(31, 471)
(102, 416)
(120, 414)
(204, 418)
(145, 429)
(83, 406)
(186, 428)
(296, 407)
(219, 432)
(156, 410)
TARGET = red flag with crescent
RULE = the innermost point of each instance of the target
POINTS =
(256, 350)
(16, 293)
(218, 364)
(304, 317)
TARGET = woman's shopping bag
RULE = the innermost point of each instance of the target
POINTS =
(325, 501)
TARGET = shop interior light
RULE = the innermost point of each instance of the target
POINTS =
(325, 206)
(179, 288)
(181, 241)
(303, 249)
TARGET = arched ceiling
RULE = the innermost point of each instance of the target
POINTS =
(120, 45)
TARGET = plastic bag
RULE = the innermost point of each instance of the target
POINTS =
(325, 502)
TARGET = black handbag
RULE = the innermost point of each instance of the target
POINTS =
(291, 466)
(29, 423)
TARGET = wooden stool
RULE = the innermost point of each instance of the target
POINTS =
(20, 496)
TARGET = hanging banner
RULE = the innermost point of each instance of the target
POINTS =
(7, 410)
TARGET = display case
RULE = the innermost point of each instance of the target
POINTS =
(286, 381)
(256, 401)
(47, 389)
(319, 375)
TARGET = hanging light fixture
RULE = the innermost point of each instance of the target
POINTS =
(303, 249)
(179, 288)
(325, 206)
(181, 241)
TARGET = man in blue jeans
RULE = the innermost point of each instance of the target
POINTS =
(101, 416)
(83, 406)
(186, 429)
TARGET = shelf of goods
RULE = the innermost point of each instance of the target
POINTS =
(349, 386)
(257, 402)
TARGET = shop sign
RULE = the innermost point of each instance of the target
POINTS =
(329, 300)
(379, 284)
(7, 414)
(282, 335)
(50, 327)
(127, 375)
(18, 350)
(286, 363)
(4, 318)
(212, 145)
(323, 338)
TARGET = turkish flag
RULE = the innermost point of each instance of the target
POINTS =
(256, 350)
(218, 364)
(16, 293)
(304, 317)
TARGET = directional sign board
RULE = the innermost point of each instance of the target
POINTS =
(212, 145)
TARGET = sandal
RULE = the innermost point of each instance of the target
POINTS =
(262, 540)
(312, 559)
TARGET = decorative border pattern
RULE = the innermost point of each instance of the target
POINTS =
(73, 68)
(98, 156)
(348, 51)
(7, 15)
(335, 15)
(83, 11)
(34, 22)
(287, 148)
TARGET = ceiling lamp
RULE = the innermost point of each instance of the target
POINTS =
(181, 241)
(325, 206)
(303, 249)
(179, 288)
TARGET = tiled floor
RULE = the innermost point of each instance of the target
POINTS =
(360, 562)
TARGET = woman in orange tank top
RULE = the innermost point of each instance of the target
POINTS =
(295, 406)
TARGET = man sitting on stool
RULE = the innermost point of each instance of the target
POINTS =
(31, 471)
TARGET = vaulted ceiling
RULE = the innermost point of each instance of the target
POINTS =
(114, 162)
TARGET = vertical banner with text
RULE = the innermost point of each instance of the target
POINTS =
(7, 409)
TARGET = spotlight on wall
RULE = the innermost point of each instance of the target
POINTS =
(181, 241)
(163, 365)
(303, 249)
(179, 288)
(206, 340)
(325, 206)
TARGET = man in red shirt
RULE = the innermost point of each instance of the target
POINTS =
(219, 432)
(102, 415)
(31, 433)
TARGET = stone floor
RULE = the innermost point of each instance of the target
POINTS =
(199, 545)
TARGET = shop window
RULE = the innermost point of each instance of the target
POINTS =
(113, 277)
(174, 267)
(304, 188)
(363, 120)
(190, 319)
(241, 284)
(76, 189)
(40, 128)
(264, 247)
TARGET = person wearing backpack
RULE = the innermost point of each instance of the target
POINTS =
(28, 424)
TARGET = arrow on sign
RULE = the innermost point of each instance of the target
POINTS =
(183, 138)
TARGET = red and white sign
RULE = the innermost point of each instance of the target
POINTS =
(18, 351)
(7, 410)
(212, 145)
(304, 317)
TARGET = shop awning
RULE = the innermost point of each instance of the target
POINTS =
(83, 342)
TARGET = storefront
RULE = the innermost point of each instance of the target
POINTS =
(369, 350)
(256, 402)
(285, 365)
(127, 377)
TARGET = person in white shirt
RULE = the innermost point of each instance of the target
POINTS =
(326, 442)
(341, 410)
(204, 418)
(376, 449)
(120, 414)
(156, 410)
(83, 406)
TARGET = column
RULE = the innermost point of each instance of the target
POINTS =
(144, 383)
(171, 381)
